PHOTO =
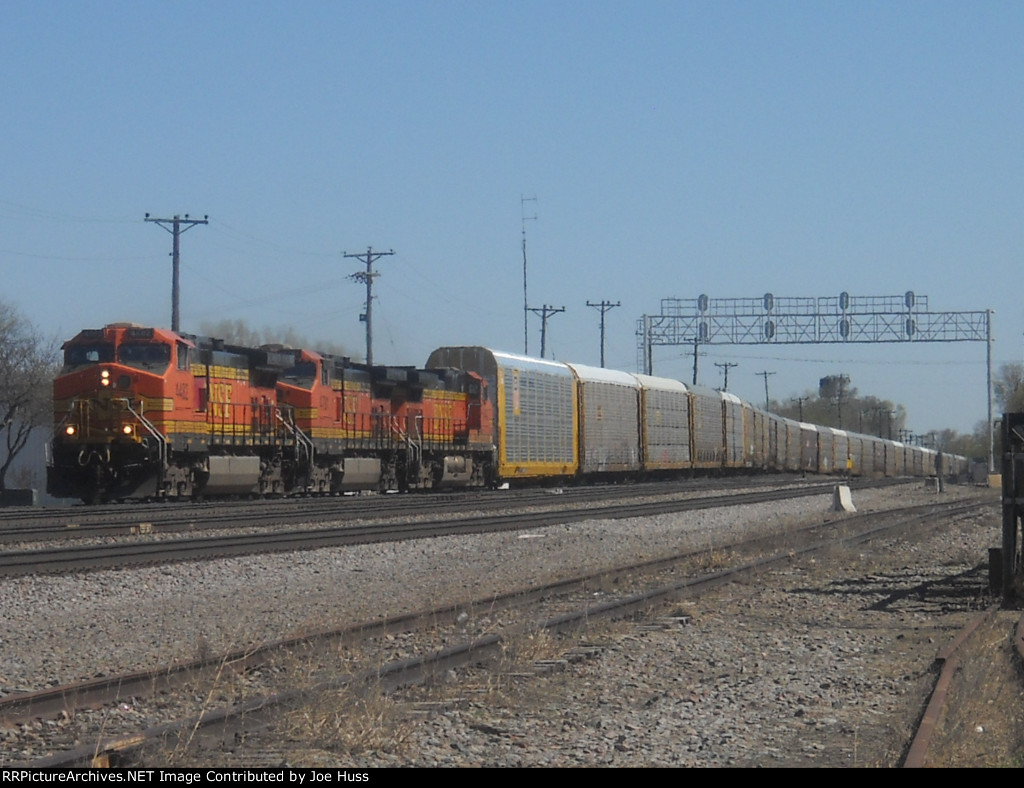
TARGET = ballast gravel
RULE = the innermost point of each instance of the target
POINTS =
(786, 672)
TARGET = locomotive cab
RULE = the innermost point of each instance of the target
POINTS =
(105, 445)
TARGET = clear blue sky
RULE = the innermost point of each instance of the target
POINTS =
(674, 148)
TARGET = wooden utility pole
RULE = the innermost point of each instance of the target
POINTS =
(545, 312)
(765, 375)
(726, 366)
(366, 277)
(604, 306)
(178, 225)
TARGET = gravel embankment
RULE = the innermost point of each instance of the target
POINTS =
(811, 667)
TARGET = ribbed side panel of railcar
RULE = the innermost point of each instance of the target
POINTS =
(609, 420)
(928, 462)
(538, 421)
(708, 429)
(792, 452)
(893, 459)
(903, 467)
(855, 454)
(920, 461)
(757, 446)
(826, 450)
(808, 447)
(664, 424)
(874, 457)
(733, 413)
(840, 450)
(775, 436)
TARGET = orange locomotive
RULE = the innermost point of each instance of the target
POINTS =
(147, 413)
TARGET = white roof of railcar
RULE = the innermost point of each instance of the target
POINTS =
(601, 375)
(526, 362)
(661, 384)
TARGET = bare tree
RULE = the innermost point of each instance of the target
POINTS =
(28, 363)
(1008, 386)
(239, 332)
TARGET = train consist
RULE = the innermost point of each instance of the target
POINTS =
(145, 413)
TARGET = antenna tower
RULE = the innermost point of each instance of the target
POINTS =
(526, 308)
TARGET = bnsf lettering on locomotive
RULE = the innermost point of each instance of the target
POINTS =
(351, 409)
(220, 400)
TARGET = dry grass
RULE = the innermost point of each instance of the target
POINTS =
(340, 724)
(984, 725)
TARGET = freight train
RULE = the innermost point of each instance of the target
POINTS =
(144, 413)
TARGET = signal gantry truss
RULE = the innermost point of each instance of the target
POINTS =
(794, 321)
(772, 320)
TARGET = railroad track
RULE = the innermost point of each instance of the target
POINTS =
(60, 523)
(567, 606)
(93, 557)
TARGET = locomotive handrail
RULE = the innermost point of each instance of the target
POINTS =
(161, 441)
(302, 441)
(414, 450)
(67, 415)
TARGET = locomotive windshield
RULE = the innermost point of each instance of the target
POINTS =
(80, 355)
(153, 356)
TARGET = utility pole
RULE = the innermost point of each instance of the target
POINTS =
(696, 343)
(545, 312)
(177, 226)
(800, 405)
(526, 308)
(726, 366)
(366, 277)
(604, 306)
(765, 375)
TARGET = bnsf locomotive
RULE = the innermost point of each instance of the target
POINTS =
(146, 413)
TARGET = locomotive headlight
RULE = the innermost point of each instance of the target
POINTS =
(105, 378)
(70, 430)
(127, 429)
